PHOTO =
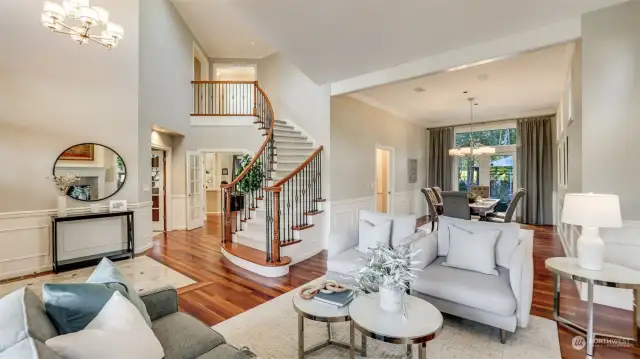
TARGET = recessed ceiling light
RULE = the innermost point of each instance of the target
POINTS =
(483, 77)
(465, 91)
(419, 89)
(253, 43)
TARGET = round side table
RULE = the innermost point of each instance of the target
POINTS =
(423, 323)
(611, 275)
(319, 312)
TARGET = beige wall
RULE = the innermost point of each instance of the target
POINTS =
(356, 129)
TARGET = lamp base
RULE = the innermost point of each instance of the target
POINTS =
(590, 249)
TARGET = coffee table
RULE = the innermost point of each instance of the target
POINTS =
(424, 323)
(319, 312)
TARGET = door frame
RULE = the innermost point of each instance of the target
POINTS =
(168, 208)
(202, 189)
(391, 181)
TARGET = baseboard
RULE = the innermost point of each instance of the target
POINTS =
(144, 248)
(25, 272)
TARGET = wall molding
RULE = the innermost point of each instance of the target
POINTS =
(70, 210)
(23, 228)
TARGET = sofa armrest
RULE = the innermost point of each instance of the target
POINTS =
(160, 301)
(521, 276)
(341, 241)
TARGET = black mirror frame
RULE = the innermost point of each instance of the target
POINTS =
(53, 171)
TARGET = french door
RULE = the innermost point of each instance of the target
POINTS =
(497, 171)
(195, 190)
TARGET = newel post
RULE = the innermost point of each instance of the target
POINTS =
(226, 192)
(275, 242)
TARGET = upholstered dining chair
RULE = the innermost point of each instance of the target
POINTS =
(456, 204)
(482, 191)
(431, 198)
(438, 191)
(506, 217)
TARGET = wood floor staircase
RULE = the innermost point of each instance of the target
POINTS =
(265, 231)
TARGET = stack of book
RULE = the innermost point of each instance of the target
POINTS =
(337, 299)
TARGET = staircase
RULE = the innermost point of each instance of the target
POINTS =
(266, 231)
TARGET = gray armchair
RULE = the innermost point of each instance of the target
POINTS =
(506, 217)
(456, 205)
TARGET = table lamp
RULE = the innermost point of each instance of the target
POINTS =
(591, 211)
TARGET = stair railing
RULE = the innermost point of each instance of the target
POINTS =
(239, 98)
(290, 202)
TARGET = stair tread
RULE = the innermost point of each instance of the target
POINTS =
(253, 255)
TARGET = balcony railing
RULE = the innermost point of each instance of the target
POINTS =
(224, 98)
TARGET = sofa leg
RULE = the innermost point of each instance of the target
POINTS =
(503, 336)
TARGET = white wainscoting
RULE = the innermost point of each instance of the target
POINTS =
(25, 238)
(179, 220)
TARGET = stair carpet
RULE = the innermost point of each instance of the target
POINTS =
(291, 149)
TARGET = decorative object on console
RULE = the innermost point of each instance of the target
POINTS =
(84, 19)
(63, 182)
(99, 170)
(591, 211)
(390, 271)
(118, 206)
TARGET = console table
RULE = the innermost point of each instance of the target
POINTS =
(85, 261)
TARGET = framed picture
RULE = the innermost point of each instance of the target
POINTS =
(81, 152)
(412, 166)
(225, 171)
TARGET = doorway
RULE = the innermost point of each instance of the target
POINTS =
(159, 191)
(383, 185)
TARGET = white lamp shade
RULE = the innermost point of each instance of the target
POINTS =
(72, 6)
(88, 15)
(50, 22)
(454, 152)
(115, 31)
(103, 14)
(54, 10)
(592, 210)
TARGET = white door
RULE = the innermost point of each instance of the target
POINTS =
(195, 190)
(157, 190)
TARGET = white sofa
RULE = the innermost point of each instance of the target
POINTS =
(502, 301)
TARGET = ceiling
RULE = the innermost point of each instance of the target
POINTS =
(332, 40)
(528, 84)
(221, 30)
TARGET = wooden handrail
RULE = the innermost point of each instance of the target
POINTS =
(262, 148)
(296, 171)
(226, 82)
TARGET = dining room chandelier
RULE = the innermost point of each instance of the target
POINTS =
(82, 22)
(475, 147)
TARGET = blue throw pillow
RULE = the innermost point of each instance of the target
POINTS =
(71, 307)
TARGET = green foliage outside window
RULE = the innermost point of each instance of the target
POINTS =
(501, 137)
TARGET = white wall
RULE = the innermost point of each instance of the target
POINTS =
(356, 129)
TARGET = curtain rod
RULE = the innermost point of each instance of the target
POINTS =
(493, 121)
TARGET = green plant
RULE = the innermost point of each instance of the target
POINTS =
(391, 268)
(252, 180)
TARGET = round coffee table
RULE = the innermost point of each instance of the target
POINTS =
(319, 312)
(423, 324)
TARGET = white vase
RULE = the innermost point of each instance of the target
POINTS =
(62, 205)
(391, 299)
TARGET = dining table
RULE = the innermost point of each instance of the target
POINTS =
(481, 207)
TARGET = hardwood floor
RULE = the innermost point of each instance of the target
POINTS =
(224, 290)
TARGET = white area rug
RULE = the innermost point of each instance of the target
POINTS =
(142, 272)
(271, 331)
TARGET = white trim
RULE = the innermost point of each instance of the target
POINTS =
(24, 257)
(204, 62)
(144, 248)
(223, 121)
(70, 210)
(23, 228)
(270, 272)
(375, 103)
(24, 272)
(391, 178)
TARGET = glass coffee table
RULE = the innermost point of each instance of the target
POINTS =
(312, 310)
(423, 323)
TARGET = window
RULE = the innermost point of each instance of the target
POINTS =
(468, 173)
(499, 137)
(501, 180)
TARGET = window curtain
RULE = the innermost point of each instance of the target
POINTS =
(440, 163)
(535, 169)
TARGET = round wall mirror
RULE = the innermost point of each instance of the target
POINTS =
(101, 172)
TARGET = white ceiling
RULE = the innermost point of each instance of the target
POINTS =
(528, 84)
(221, 30)
(331, 40)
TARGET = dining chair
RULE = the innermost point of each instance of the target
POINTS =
(456, 204)
(431, 198)
(482, 191)
(507, 217)
(438, 192)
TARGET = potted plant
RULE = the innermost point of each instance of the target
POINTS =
(472, 197)
(251, 182)
(390, 271)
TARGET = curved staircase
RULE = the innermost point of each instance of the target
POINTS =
(266, 231)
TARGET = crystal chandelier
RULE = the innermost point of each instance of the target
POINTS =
(475, 148)
(77, 19)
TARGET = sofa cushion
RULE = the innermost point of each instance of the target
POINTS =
(371, 235)
(402, 226)
(22, 315)
(226, 351)
(347, 262)
(184, 337)
(481, 291)
(29, 348)
(475, 251)
(506, 244)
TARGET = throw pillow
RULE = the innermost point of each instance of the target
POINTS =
(118, 331)
(425, 248)
(22, 315)
(472, 251)
(370, 235)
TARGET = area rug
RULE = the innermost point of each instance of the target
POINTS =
(270, 330)
(142, 272)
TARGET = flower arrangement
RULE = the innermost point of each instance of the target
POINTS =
(64, 182)
(389, 268)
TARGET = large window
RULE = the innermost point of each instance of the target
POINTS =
(501, 178)
(499, 137)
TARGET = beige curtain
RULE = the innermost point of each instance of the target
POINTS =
(440, 163)
(535, 169)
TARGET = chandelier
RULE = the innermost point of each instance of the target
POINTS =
(78, 20)
(475, 147)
